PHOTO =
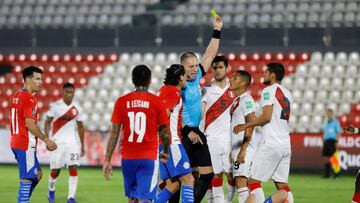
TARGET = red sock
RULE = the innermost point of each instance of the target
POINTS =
(254, 186)
(216, 182)
(287, 189)
(231, 182)
(356, 197)
(53, 175)
(73, 172)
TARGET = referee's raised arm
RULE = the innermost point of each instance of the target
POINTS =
(213, 47)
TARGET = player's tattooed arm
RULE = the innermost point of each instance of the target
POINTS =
(165, 138)
(115, 133)
(34, 129)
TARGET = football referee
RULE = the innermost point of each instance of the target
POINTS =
(193, 139)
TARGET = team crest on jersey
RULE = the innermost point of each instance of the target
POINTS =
(231, 94)
(186, 165)
(266, 96)
(248, 104)
(74, 111)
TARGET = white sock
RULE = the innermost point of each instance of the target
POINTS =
(52, 182)
(230, 190)
(243, 193)
(290, 197)
(209, 195)
(218, 194)
(73, 182)
(259, 193)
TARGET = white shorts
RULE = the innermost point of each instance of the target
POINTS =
(65, 155)
(271, 162)
(220, 156)
(243, 169)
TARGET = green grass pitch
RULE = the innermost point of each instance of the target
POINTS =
(93, 188)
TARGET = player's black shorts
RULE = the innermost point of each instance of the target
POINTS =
(198, 153)
(329, 147)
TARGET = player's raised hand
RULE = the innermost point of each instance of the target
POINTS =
(107, 170)
(349, 129)
(241, 156)
(239, 128)
(195, 138)
(217, 23)
(50, 145)
(164, 157)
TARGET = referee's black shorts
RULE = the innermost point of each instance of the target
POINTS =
(198, 153)
(329, 148)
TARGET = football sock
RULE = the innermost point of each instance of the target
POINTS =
(163, 196)
(201, 186)
(218, 192)
(73, 182)
(24, 192)
(175, 198)
(230, 190)
(52, 181)
(34, 183)
(209, 194)
(243, 193)
(290, 198)
(255, 188)
(356, 198)
(187, 194)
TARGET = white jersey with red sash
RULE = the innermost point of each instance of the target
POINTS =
(216, 117)
(64, 126)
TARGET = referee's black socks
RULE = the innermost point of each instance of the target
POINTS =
(201, 186)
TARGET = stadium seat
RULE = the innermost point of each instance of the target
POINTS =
(324, 83)
(337, 83)
(349, 84)
(321, 96)
(309, 96)
(311, 83)
(351, 71)
(316, 58)
(354, 58)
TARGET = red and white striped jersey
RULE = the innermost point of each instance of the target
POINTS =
(242, 106)
(277, 131)
(22, 105)
(216, 118)
(171, 96)
(64, 124)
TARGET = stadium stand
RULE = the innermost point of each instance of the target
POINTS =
(317, 81)
(259, 13)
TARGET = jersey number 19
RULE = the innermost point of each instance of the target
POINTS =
(138, 124)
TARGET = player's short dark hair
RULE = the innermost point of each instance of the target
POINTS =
(29, 71)
(186, 55)
(278, 69)
(220, 58)
(68, 85)
(173, 74)
(141, 76)
(245, 75)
